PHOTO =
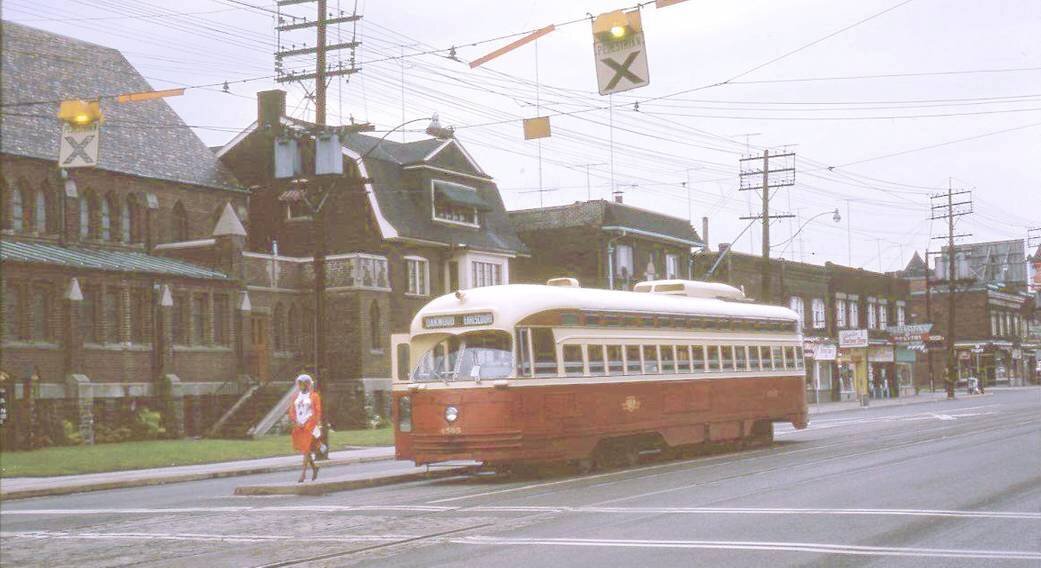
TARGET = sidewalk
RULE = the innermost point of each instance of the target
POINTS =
(397, 472)
(25, 487)
(924, 397)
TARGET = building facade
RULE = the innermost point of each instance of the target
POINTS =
(102, 314)
(603, 244)
(832, 301)
(403, 223)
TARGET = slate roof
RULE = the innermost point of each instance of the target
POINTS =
(102, 259)
(401, 153)
(991, 262)
(605, 214)
(146, 139)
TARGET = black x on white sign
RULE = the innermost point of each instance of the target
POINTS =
(621, 65)
(79, 146)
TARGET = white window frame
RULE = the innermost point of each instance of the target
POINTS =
(672, 266)
(797, 305)
(840, 313)
(423, 275)
(631, 258)
(433, 205)
(289, 211)
(883, 314)
(820, 313)
(901, 313)
(853, 304)
(477, 273)
(872, 314)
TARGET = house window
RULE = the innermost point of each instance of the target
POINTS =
(367, 272)
(456, 203)
(199, 320)
(13, 311)
(796, 304)
(883, 315)
(901, 314)
(994, 325)
(279, 323)
(297, 209)
(133, 222)
(41, 211)
(486, 274)
(89, 314)
(854, 313)
(111, 313)
(418, 270)
(623, 261)
(840, 314)
(819, 313)
(85, 215)
(220, 321)
(140, 316)
(179, 223)
(106, 220)
(181, 321)
(18, 207)
(672, 266)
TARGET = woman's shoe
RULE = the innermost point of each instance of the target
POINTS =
(301, 480)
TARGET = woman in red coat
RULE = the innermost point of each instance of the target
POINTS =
(305, 412)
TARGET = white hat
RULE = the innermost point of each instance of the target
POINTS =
(304, 377)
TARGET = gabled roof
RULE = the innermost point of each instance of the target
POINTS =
(146, 139)
(84, 258)
(403, 211)
(607, 215)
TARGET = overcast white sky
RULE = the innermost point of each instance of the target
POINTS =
(850, 124)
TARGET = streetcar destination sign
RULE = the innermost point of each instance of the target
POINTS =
(460, 320)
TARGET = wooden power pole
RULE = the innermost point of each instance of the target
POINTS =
(948, 209)
(753, 176)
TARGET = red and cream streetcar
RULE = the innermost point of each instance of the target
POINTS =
(527, 373)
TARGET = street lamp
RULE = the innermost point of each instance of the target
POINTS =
(835, 216)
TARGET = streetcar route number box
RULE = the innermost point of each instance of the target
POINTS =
(461, 320)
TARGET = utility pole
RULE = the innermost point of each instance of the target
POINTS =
(929, 319)
(947, 211)
(320, 78)
(753, 175)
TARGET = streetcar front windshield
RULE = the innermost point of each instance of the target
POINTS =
(471, 356)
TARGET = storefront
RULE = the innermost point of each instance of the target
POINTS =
(820, 358)
(881, 371)
(853, 367)
(905, 359)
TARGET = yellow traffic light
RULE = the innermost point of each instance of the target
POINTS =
(80, 113)
(617, 25)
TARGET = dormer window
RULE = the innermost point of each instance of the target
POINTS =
(456, 203)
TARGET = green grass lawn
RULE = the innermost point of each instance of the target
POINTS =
(69, 460)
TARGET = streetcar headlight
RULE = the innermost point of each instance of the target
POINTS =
(451, 413)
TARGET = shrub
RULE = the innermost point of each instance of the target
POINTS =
(147, 425)
(71, 434)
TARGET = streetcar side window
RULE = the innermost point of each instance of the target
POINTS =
(544, 351)
(596, 360)
(741, 356)
(713, 358)
(777, 357)
(698, 358)
(668, 359)
(764, 353)
(523, 352)
(573, 365)
(682, 359)
(753, 357)
(650, 359)
(615, 363)
(799, 361)
(632, 359)
(728, 357)
(789, 357)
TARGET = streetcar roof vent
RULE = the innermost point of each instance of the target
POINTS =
(563, 282)
(690, 289)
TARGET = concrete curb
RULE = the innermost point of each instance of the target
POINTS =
(908, 402)
(151, 481)
(321, 488)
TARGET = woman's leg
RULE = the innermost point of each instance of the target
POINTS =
(303, 472)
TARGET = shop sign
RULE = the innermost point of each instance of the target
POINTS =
(881, 354)
(906, 334)
(826, 352)
(964, 355)
(905, 355)
(853, 338)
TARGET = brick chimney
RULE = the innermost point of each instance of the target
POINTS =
(617, 195)
(271, 107)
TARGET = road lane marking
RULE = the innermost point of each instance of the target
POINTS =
(819, 548)
(198, 537)
(1023, 515)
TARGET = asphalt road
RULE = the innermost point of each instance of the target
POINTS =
(953, 483)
